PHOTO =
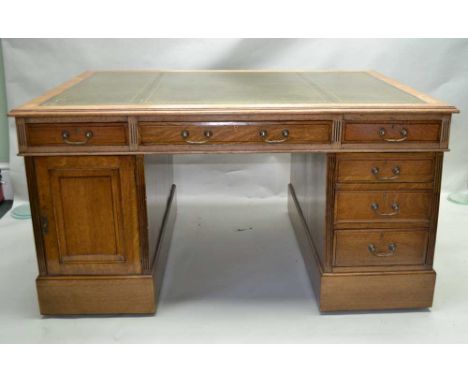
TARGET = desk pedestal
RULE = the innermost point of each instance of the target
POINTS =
(359, 256)
(102, 240)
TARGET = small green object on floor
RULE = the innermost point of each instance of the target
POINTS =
(21, 212)
(459, 197)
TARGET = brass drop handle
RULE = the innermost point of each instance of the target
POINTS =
(66, 135)
(395, 207)
(403, 133)
(185, 134)
(391, 250)
(284, 133)
(395, 170)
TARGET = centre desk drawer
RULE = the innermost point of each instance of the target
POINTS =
(380, 247)
(383, 206)
(77, 134)
(392, 132)
(186, 133)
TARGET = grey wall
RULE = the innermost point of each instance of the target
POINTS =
(434, 66)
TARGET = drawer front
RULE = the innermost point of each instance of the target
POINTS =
(77, 134)
(396, 133)
(175, 133)
(386, 168)
(383, 206)
(380, 247)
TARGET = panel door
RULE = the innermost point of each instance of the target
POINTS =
(89, 214)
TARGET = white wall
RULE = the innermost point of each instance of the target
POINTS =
(434, 66)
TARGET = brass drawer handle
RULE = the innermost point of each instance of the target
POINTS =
(395, 207)
(185, 135)
(66, 136)
(284, 133)
(395, 170)
(391, 250)
(403, 133)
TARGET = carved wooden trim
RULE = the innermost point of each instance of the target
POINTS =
(337, 131)
(133, 133)
(330, 206)
(438, 171)
(21, 134)
(142, 214)
(35, 215)
(434, 208)
(444, 135)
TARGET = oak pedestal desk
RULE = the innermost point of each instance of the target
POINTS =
(363, 199)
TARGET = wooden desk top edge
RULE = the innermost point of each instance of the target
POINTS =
(35, 108)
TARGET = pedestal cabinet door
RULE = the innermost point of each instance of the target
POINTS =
(89, 219)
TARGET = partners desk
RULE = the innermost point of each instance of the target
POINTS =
(363, 198)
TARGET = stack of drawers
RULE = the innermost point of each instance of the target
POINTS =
(385, 208)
